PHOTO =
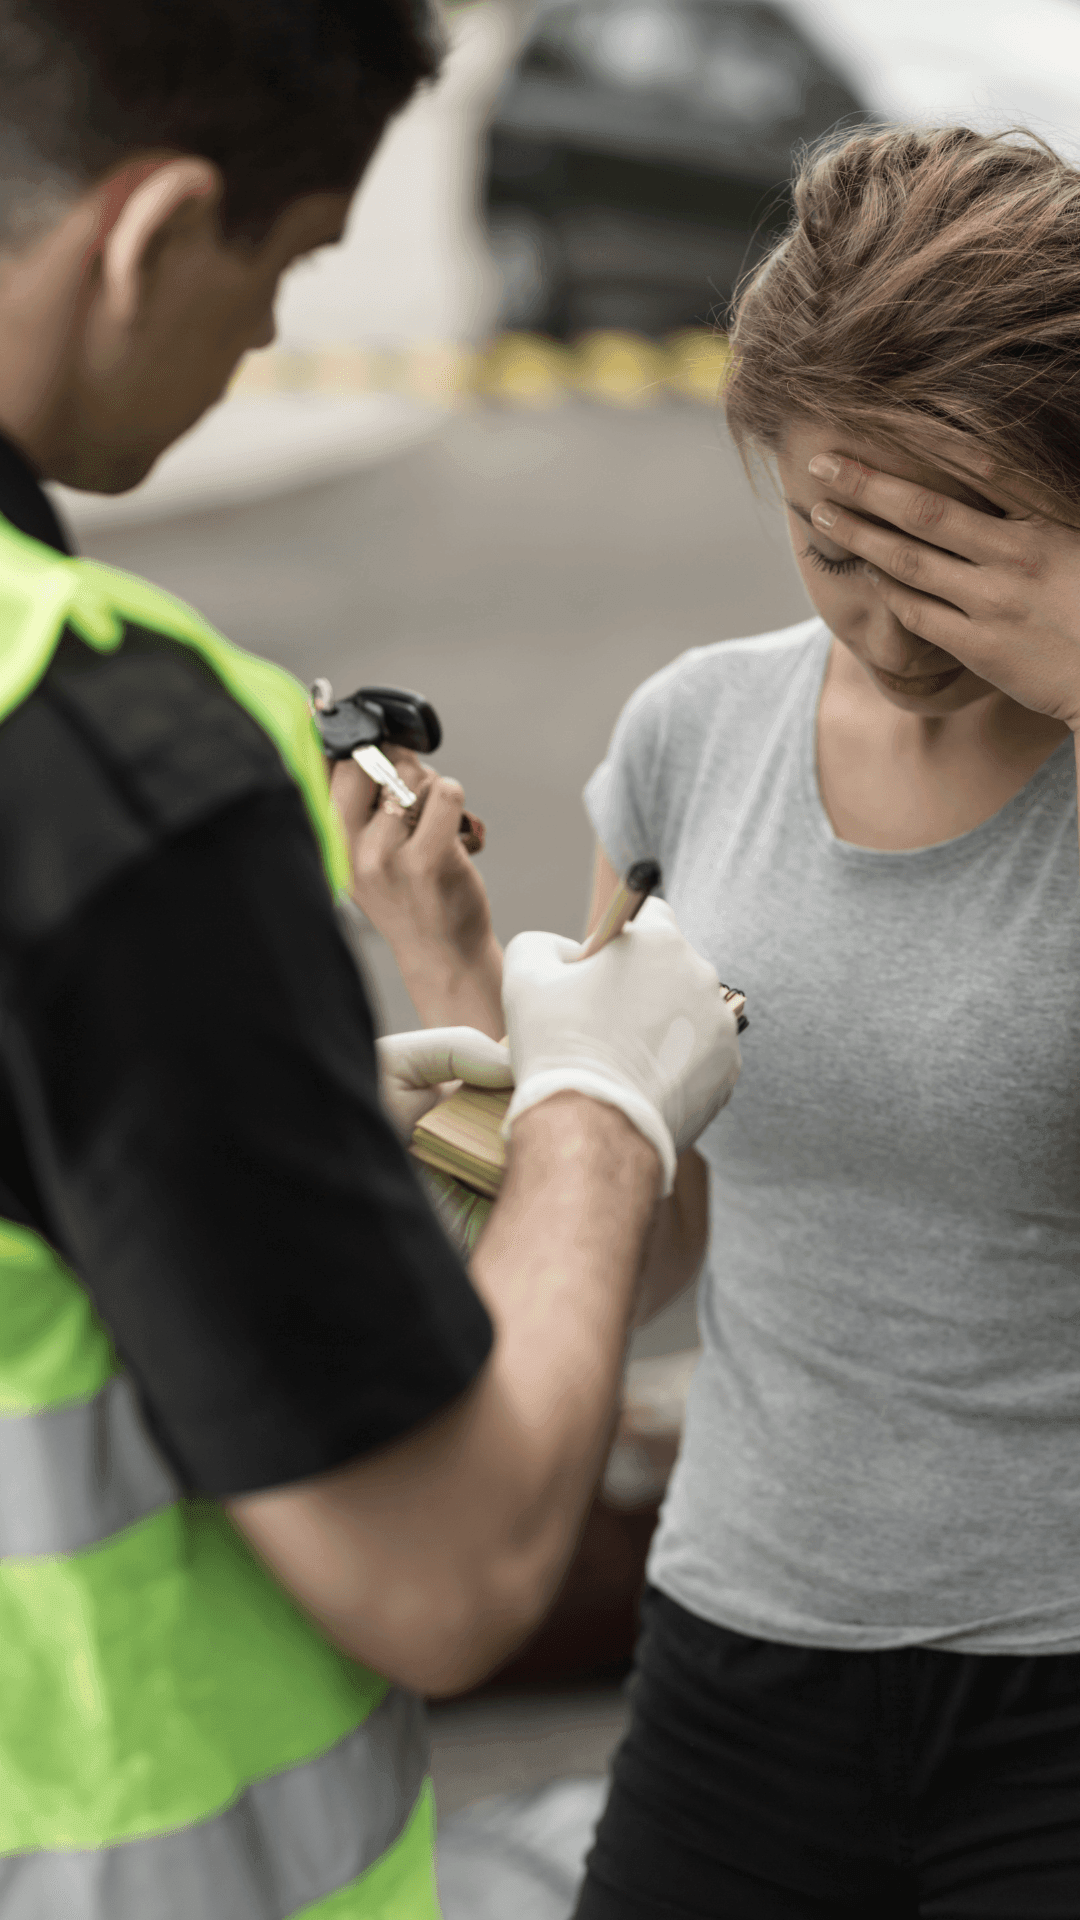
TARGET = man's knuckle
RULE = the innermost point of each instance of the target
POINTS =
(381, 870)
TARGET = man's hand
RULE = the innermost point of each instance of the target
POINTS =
(1002, 596)
(416, 1069)
(423, 893)
(642, 1025)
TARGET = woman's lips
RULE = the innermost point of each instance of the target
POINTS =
(923, 684)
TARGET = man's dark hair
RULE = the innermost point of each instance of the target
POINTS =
(287, 97)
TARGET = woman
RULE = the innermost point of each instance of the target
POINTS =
(857, 1692)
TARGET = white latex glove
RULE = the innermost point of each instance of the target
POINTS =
(641, 1025)
(414, 1069)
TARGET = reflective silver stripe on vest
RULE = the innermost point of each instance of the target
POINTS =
(286, 1843)
(71, 1476)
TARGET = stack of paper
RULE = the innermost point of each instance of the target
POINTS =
(462, 1137)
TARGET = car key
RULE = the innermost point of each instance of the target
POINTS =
(383, 771)
(357, 727)
(353, 729)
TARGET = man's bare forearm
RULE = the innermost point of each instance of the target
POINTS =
(558, 1267)
(432, 1559)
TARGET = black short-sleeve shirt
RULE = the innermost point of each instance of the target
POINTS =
(188, 1097)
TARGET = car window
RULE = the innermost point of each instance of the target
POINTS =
(754, 67)
(639, 45)
(550, 51)
(741, 63)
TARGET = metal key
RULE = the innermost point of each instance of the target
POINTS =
(369, 757)
(378, 768)
(357, 727)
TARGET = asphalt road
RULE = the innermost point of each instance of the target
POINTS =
(525, 572)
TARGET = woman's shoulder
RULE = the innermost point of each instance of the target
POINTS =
(759, 659)
(707, 686)
(709, 708)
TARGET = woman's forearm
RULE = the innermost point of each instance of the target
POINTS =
(679, 1239)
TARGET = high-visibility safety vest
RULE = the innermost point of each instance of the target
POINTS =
(177, 1742)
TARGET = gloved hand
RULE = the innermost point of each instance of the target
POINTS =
(642, 1025)
(414, 1069)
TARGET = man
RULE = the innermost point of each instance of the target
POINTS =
(228, 1320)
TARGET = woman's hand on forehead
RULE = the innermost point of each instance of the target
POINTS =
(1001, 595)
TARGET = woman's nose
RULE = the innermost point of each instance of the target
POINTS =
(892, 648)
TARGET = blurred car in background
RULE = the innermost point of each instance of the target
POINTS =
(638, 157)
(640, 150)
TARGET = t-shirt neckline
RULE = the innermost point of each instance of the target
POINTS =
(940, 850)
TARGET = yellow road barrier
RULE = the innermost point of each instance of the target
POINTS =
(515, 370)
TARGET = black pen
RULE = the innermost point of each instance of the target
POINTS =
(628, 899)
(630, 896)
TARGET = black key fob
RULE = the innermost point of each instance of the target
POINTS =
(374, 717)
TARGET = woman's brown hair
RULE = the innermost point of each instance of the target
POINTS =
(928, 280)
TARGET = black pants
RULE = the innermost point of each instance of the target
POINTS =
(766, 1782)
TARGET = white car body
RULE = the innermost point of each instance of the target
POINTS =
(986, 63)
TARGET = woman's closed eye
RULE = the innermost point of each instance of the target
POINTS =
(822, 560)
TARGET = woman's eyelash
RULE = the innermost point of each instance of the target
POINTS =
(819, 559)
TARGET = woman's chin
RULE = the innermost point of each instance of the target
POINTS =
(928, 694)
(917, 686)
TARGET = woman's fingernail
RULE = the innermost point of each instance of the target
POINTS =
(824, 466)
(871, 573)
(823, 516)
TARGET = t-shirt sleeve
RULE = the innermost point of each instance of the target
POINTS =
(623, 798)
(189, 1058)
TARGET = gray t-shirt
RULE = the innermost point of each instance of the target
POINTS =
(883, 1439)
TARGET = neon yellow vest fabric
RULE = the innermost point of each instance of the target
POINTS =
(175, 1738)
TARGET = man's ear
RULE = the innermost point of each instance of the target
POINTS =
(143, 212)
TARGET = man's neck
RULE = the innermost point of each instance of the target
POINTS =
(43, 290)
(23, 501)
